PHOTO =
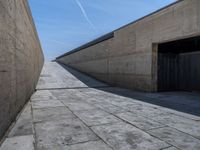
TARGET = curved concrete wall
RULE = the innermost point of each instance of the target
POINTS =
(21, 59)
(129, 59)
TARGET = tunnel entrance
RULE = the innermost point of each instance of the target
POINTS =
(179, 65)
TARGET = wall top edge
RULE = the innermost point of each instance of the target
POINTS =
(111, 34)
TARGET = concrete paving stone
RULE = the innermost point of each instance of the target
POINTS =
(182, 114)
(23, 125)
(92, 145)
(18, 143)
(189, 126)
(132, 104)
(71, 97)
(67, 95)
(90, 91)
(95, 101)
(96, 117)
(171, 148)
(115, 99)
(123, 136)
(42, 95)
(91, 82)
(65, 78)
(125, 103)
(76, 106)
(110, 108)
(47, 84)
(175, 100)
(26, 112)
(46, 104)
(148, 112)
(104, 97)
(137, 101)
(168, 98)
(128, 104)
(71, 100)
(139, 121)
(99, 93)
(176, 138)
(61, 133)
(52, 113)
(57, 128)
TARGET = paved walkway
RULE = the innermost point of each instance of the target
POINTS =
(71, 111)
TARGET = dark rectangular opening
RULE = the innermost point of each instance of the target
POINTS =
(179, 65)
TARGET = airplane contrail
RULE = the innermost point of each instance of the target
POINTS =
(85, 15)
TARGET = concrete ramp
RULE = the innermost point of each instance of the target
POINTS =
(77, 112)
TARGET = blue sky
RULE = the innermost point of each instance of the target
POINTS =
(63, 25)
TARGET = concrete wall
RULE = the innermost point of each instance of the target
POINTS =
(21, 59)
(130, 58)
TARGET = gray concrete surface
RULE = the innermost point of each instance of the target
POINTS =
(129, 59)
(81, 115)
(18, 143)
(21, 60)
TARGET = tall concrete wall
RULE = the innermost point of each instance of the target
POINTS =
(129, 59)
(21, 59)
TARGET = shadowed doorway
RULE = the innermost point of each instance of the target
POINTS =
(179, 65)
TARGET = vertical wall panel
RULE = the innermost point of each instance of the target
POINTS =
(21, 59)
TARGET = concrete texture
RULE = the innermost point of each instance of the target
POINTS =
(21, 60)
(49, 80)
(176, 138)
(101, 118)
(123, 136)
(62, 132)
(18, 143)
(129, 59)
(23, 125)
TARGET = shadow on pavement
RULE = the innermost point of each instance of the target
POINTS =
(187, 102)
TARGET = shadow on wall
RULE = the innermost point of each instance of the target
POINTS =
(187, 102)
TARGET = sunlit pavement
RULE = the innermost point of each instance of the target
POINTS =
(71, 111)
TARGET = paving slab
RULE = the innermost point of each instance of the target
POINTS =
(57, 76)
(189, 126)
(22, 127)
(62, 133)
(51, 113)
(77, 106)
(187, 102)
(71, 111)
(18, 143)
(110, 108)
(148, 112)
(123, 136)
(176, 138)
(96, 117)
(171, 148)
(24, 124)
(67, 95)
(42, 95)
(182, 114)
(46, 104)
(92, 145)
(140, 121)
